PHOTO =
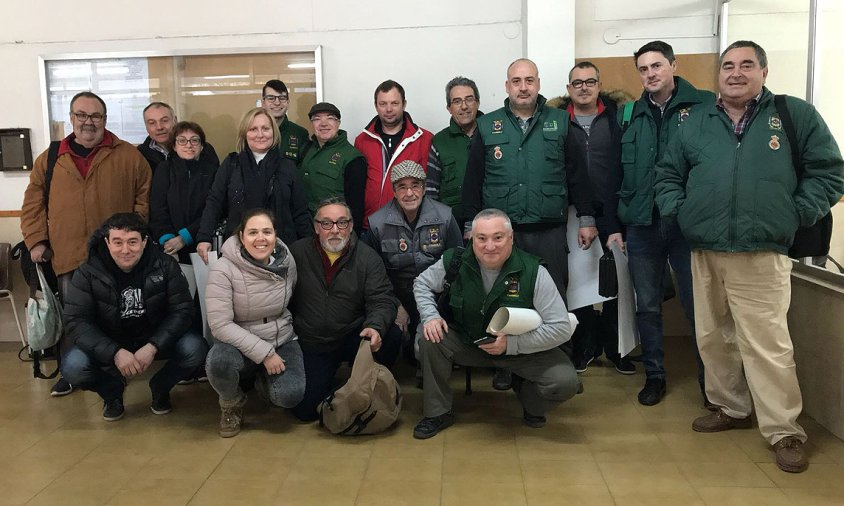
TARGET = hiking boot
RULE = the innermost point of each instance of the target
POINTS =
(61, 388)
(624, 366)
(161, 404)
(790, 455)
(502, 380)
(653, 392)
(719, 421)
(231, 418)
(430, 426)
(113, 410)
(534, 421)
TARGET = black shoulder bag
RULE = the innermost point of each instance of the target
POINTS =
(444, 297)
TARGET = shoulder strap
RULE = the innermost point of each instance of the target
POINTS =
(52, 157)
(790, 132)
(627, 114)
(454, 266)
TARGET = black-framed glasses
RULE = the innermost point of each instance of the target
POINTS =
(342, 224)
(278, 99)
(458, 102)
(82, 117)
(578, 83)
(184, 141)
(417, 186)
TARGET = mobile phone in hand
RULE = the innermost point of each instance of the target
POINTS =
(485, 340)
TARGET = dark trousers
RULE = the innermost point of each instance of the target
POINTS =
(596, 333)
(84, 371)
(320, 368)
(550, 245)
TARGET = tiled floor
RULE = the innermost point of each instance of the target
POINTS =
(600, 448)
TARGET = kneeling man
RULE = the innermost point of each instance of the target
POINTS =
(493, 274)
(127, 306)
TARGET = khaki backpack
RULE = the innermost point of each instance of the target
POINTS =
(368, 403)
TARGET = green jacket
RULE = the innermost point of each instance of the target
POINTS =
(293, 140)
(452, 147)
(642, 147)
(472, 307)
(525, 174)
(743, 195)
(323, 168)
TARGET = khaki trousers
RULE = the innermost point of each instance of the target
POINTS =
(741, 303)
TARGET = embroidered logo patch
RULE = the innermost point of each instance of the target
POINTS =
(402, 245)
(434, 235)
(294, 142)
(549, 126)
(497, 154)
(497, 126)
(335, 158)
(774, 123)
(774, 143)
(512, 284)
(683, 114)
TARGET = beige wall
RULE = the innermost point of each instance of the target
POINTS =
(10, 232)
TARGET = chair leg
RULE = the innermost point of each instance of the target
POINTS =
(8, 293)
(468, 380)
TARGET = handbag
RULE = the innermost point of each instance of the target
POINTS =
(607, 276)
(43, 317)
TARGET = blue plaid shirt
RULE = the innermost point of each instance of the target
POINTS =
(749, 107)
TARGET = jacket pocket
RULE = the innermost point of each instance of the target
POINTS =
(553, 146)
(553, 201)
(628, 149)
(698, 216)
(775, 219)
(496, 196)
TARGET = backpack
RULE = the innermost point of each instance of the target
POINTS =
(811, 241)
(368, 403)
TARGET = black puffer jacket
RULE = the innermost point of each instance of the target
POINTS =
(242, 184)
(92, 309)
(360, 295)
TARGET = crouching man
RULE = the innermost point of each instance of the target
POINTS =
(493, 274)
(129, 305)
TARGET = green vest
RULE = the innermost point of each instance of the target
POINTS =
(323, 169)
(525, 173)
(452, 146)
(642, 147)
(472, 307)
(293, 139)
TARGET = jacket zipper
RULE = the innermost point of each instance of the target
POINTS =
(734, 199)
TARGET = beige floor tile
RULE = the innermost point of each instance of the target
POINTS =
(740, 496)
(409, 448)
(472, 470)
(143, 491)
(22, 476)
(651, 476)
(566, 491)
(399, 493)
(317, 467)
(643, 496)
(271, 467)
(724, 474)
(539, 473)
(630, 448)
(489, 491)
(695, 447)
(183, 465)
(227, 492)
(814, 496)
(89, 483)
(817, 476)
(317, 492)
(403, 469)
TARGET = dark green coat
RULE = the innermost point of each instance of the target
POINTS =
(731, 195)
(292, 141)
(642, 147)
(472, 307)
(452, 145)
(323, 169)
(525, 174)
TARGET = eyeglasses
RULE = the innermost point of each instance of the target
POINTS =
(82, 117)
(317, 119)
(278, 99)
(458, 102)
(184, 141)
(412, 186)
(578, 83)
(342, 224)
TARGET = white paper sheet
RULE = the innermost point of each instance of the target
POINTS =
(200, 271)
(628, 332)
(514, 320)
(582, 289)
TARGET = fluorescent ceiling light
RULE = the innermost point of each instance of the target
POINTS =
(309, 65)
(233, 76)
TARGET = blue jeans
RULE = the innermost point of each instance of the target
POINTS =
(84, 371)
(648, 247)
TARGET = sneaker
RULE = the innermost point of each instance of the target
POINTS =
(202, 376)
(161, 404)
(790, 455)
(502, 380)
(653, 392)
(61, 388)
(431, 426)
(624, 366)
(581, 364)
(187, 381)
(113, 410)
(231, 419)
(534, 421)
(719, 421)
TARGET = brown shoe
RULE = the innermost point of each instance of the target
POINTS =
(790, 455)
(718, 421)
(231, 418)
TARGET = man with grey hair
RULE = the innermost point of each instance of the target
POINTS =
(739, 189)
(159, 120)
(492, 274)
(450, 147)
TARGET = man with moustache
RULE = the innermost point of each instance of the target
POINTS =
(729, 180)
(95, 176)
(391, 137)
(343, 294)
(649, 124)
(159, 120)
(275, 99)
(331, 166)
(410, 233)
